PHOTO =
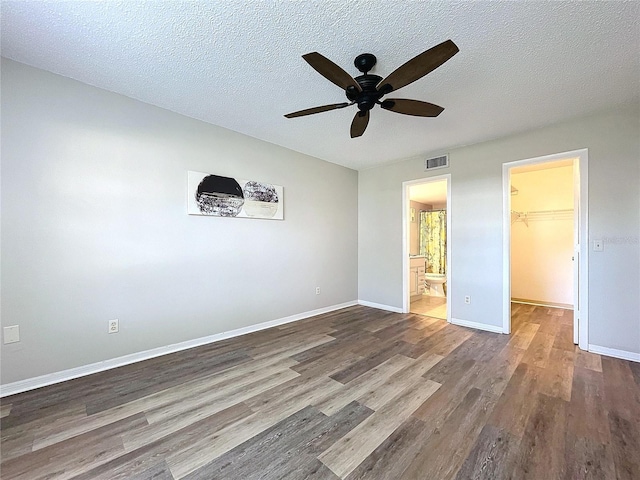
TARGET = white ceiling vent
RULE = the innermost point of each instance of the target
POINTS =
(436, 162)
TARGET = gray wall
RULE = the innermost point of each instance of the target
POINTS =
(94, 227)
(613, 140)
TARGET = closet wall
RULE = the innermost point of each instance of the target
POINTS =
(542, 236)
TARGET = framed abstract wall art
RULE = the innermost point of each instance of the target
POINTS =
(215, 195)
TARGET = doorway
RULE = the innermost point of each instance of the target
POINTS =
(426, 256)
(544, 236)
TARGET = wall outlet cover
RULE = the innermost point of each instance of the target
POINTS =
(11, 334)
(114, 326)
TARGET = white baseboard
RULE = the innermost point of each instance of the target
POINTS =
(476, 325)
(537, 303)
(380, 306)
(63, 376)
(613, 352)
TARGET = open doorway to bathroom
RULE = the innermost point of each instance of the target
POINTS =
(544, 253)
(427, 248)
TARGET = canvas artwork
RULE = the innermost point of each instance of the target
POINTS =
(220, 196)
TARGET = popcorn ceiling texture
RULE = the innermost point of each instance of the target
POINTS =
(238, 64)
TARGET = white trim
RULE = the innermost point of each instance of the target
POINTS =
(380, 306)
(582, 157)
(406, 298)
(583, 326)
(613, 352)
(506, 249)
(575, 267)
(63, 376)
(477, 326)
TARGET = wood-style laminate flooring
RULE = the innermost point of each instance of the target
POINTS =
(354, 394)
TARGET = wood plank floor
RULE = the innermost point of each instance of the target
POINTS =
(354, 394)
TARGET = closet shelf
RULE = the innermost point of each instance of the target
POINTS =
(541, 215)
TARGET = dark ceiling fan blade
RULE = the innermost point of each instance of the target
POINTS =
(412, 107)
(359, 123)
(311, 111)
(419, 66)
(331, 71)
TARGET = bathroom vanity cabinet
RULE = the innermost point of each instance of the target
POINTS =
(416, 276)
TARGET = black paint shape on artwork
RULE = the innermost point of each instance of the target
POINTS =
(218, 195)
(220, 186)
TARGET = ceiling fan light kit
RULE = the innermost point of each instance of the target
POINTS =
(367, 90)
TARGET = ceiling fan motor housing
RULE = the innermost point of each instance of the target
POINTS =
(367, 98)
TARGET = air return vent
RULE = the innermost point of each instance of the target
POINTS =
(436, 162)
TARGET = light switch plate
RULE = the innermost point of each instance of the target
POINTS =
(11, 334)
(598, 246)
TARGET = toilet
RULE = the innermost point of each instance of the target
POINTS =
(435, 283)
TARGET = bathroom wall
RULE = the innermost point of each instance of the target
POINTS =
(414, 227)
(542, 248)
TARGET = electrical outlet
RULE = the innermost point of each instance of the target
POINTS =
(113, 326)
(11, 334)
(467, 299)
(317, 290)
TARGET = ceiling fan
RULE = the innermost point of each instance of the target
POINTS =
(367, 90)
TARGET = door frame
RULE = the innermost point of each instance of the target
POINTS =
(406, 302)
(581, 241)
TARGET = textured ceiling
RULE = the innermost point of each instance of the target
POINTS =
(238, 64)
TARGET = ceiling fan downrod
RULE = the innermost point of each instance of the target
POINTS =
(369, 94)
